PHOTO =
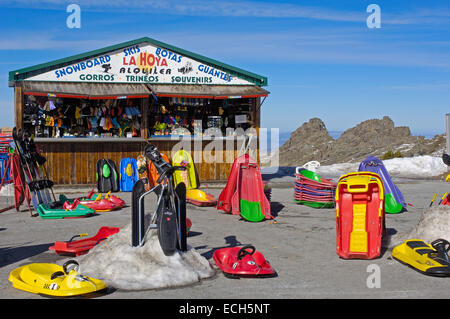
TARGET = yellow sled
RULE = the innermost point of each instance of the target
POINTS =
(188, 177)
(428, 259)
(54, 280)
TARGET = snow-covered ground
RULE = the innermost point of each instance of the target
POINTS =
(418, 167)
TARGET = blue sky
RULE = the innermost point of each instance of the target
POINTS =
(320, 57)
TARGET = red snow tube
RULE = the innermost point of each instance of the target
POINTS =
(243, 261)
(82, 246)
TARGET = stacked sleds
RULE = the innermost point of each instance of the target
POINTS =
(312, 190)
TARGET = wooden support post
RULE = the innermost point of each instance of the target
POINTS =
(18, 105)
(144, 119)
(257, 123)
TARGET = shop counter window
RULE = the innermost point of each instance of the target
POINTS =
(180, 116)
(49, 117)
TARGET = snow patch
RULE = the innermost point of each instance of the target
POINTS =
(125, 267)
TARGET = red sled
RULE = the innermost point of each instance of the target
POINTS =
(81, 247)
(243, 262)
(359, 215)
(98, 205)
(112, 198)
(224, 200)
(446, 200)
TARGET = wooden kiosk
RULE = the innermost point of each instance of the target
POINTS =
(111, 102)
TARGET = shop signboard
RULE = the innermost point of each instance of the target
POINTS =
(141, 63)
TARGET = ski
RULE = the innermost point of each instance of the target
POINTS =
(180, 203)
(38, 161)
(36, 199)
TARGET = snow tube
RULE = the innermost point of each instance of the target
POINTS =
(394, 201)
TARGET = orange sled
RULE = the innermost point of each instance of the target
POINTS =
(359, 215)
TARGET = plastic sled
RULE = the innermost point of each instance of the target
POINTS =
(113, 198)
(394, 201)
(143, 169)
(82, 246)
(315, 204)
(432, 260)
(107, 176)
(188, 226)
(188, 177)
(92, 196)
(310, 178)
(359, 215)
(98, 205)
(153, 174)
(243, 262)
(446, 159)
(47, 212)
(200, 198)
(128, 174)
(54, 280)
(224, 200)
(312, 190)
(249, 199)
(446, 200)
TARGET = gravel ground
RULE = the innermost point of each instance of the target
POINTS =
(301, 246)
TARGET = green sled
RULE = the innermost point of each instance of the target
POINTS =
(46, 212)
(311, 175)
(390, 204)
(315, 204)
(251, 211)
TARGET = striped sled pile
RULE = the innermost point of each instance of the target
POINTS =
(312, 190)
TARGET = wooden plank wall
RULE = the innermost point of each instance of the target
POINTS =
(74, 163)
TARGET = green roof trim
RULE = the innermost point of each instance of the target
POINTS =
(24, 73)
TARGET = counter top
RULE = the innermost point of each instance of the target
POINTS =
(125, 139)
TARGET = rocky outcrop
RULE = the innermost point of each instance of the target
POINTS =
(311, 141)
